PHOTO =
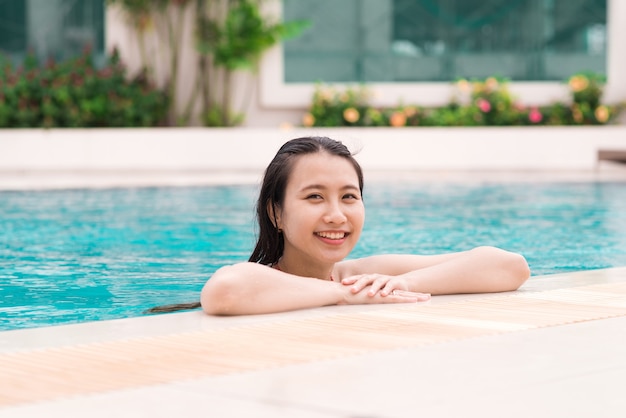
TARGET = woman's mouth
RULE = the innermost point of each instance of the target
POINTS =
(332, 235)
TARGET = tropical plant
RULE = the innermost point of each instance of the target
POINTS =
(235, 42)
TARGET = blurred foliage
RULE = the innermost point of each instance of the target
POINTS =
(475, 103)
(75, 94)
(229, 36)
(165, 19)
(234, 42)
(238, 41)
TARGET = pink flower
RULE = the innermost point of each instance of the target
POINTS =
(535, 116)
(483, 105)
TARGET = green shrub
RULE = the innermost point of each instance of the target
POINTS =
(476, 103)
(75, 94)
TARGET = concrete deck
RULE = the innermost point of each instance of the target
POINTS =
(555, 348)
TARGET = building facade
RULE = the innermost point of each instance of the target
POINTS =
(406, 51)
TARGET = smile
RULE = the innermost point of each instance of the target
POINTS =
(332, 235)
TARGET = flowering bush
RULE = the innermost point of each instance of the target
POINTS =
(333, 108)
(586, 106)
(475, 103)
(76, 94)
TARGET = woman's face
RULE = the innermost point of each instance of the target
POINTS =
(322, 215)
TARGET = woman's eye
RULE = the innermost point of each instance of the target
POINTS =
(351, 196)
(314, 196)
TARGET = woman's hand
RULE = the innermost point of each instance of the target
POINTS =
(380, 286)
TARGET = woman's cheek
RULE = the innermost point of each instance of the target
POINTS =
(359, 214)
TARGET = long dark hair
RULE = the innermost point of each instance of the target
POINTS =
(270, 243)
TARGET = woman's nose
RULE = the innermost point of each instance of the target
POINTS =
(334, 214)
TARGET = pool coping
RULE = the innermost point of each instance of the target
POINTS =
(76, 179)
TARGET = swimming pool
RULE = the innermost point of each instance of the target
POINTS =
(81, 255)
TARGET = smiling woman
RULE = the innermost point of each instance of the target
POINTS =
(318, 215)
(310, 213)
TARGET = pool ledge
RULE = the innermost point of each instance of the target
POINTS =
(516, 353)
(428, 148)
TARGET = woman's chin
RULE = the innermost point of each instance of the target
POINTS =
(335, 257)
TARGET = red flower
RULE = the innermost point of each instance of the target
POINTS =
(483, 105)
(535, 116)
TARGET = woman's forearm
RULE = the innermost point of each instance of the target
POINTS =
(481, 270)
(250, 288)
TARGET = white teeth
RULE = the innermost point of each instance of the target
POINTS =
(332, 235)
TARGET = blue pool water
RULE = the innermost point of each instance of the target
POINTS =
(81, 255)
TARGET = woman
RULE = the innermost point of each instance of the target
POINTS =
(310, 213)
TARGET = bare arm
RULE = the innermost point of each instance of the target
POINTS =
(483, 269)
(250, 288)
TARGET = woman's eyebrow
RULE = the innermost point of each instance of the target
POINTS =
(313, 187)
(323, 187)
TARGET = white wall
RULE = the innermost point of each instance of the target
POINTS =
(251, 149)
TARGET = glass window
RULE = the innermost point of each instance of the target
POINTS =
(51, 28)
(12, 27)
(442, 40)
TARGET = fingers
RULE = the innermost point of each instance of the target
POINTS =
(390, 289)
(378, 283)
(374, 281)
(395, 296)
(419, 297)
(402, 296)
(349, 280)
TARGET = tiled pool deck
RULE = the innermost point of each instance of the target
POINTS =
(555, 348)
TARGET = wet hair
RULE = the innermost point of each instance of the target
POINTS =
(270, 243)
